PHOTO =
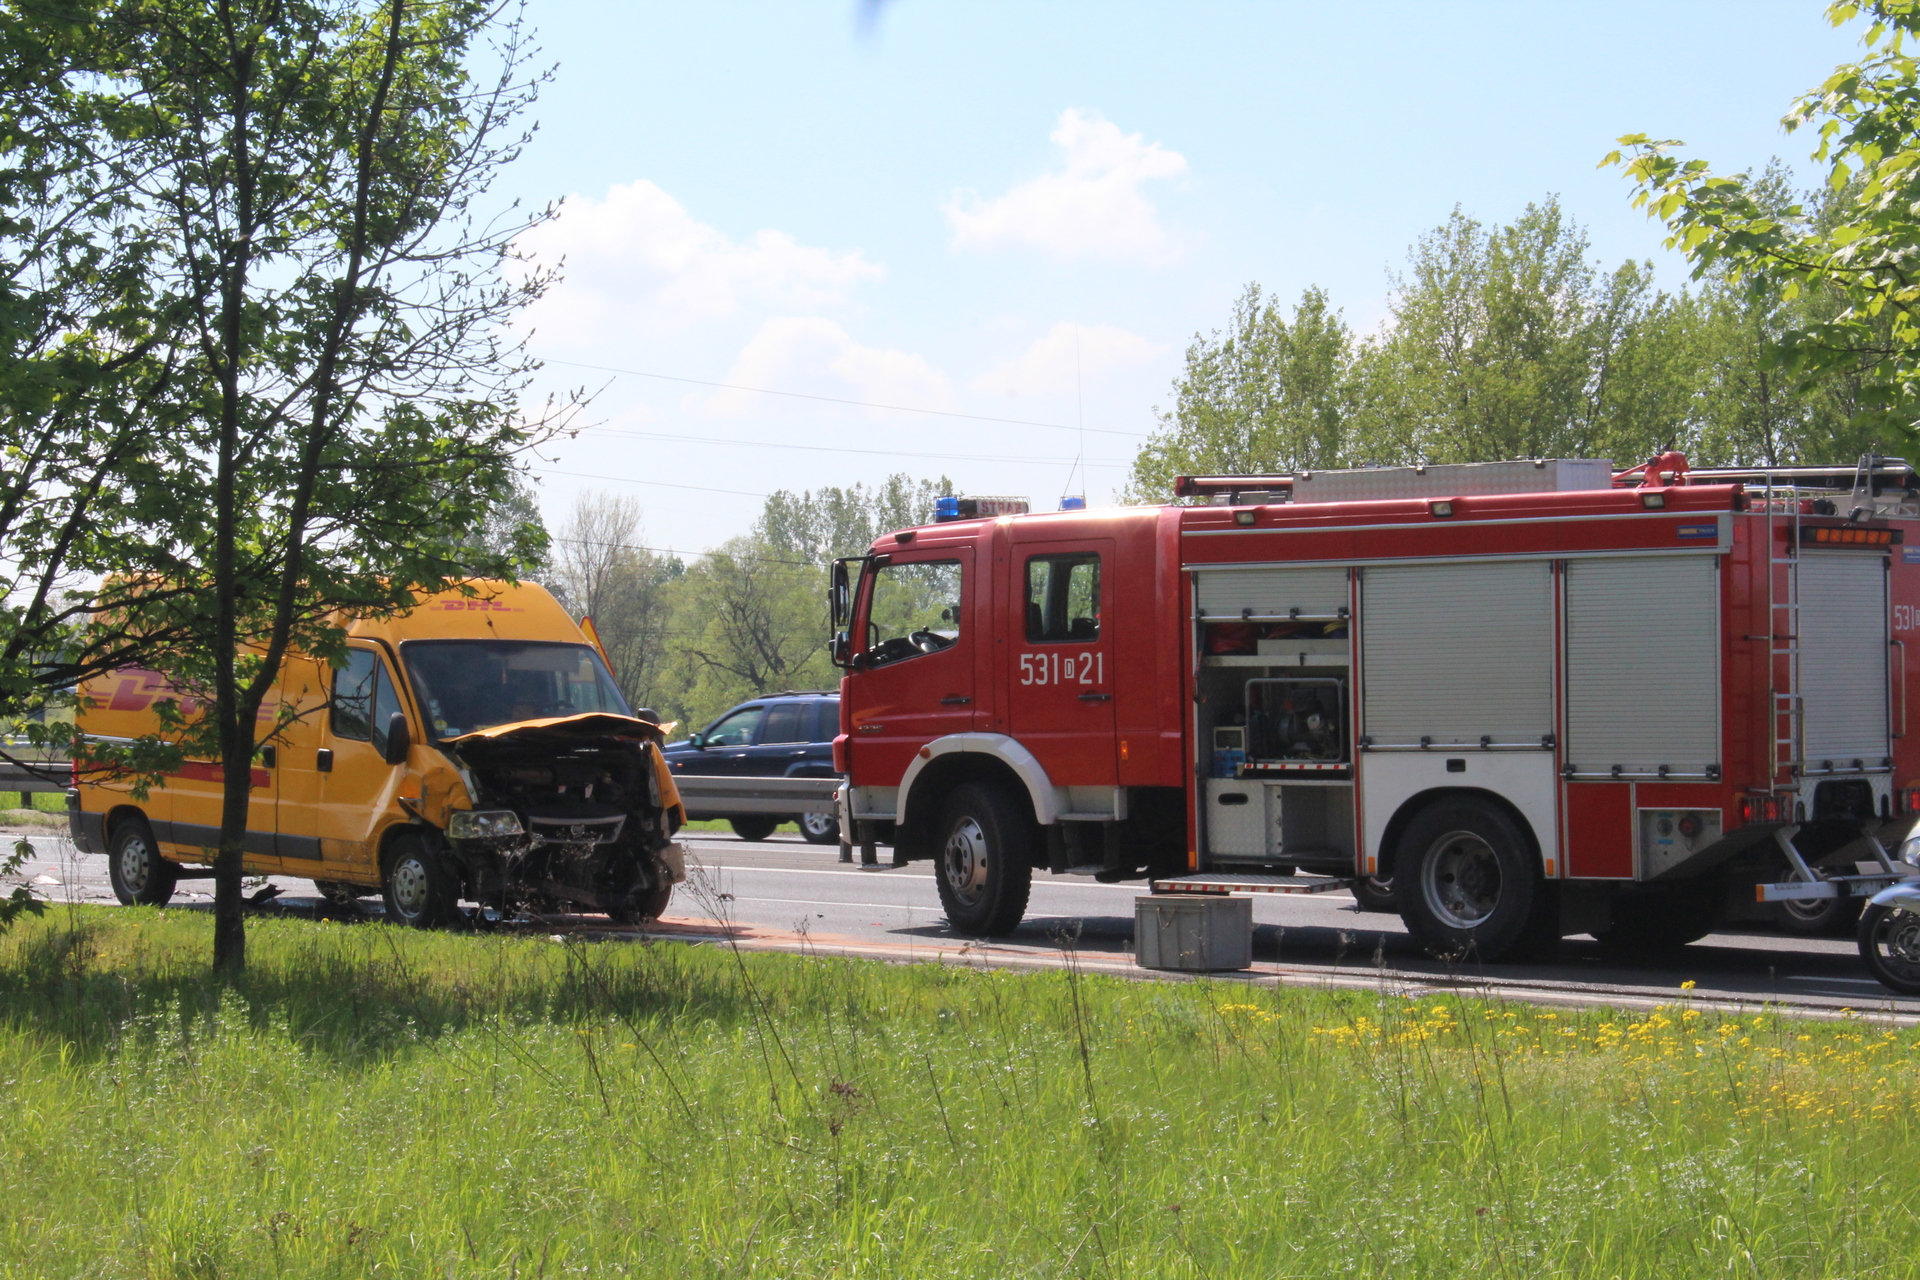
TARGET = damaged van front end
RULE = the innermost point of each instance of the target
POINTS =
(568, 813)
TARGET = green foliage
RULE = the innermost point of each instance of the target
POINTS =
(1507, 342)
(747, 618)
(375, 1101)
(322, 285)
(1269, 394)
(1854, 256)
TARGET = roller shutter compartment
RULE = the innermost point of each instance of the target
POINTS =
(1455, 653)
(1313, 590)
(1843, 659)
(1643, 665)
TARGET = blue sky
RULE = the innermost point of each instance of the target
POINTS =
(1024, 211)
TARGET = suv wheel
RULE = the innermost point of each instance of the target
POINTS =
(820, 828)
(754, 828)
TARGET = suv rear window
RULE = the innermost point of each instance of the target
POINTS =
(786, 722)
(827, 727)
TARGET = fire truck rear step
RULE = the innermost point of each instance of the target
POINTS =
(1221, 883)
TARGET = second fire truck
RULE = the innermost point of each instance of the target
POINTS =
(1539, 698)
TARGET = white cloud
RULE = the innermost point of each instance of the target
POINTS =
(1068, 356)
(638, 259)
(815, 356)
(1092, 207)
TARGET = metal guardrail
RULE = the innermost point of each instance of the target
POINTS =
(34, 770)
(708, 794)
(705, 794)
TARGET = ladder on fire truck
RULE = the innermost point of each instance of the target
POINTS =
(1783, 500)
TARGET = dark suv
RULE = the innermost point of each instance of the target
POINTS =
(781, 735)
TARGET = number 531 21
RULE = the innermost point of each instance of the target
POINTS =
(1063, 668)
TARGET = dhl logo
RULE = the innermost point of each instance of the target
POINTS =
(137, 690)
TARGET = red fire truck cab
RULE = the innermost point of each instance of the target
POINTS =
(1540, 698)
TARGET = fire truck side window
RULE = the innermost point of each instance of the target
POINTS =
(1063, 598)
(914, 608)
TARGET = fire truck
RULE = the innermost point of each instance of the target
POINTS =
(1529, 699)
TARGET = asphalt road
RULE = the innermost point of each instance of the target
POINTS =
(786, 894)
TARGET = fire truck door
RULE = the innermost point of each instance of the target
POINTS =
(915, 657)
(1061, 678)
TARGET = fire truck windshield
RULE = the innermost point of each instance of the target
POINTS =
(913, 608)
(475, 684)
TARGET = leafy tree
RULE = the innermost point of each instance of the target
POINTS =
(511, 528)
(309, 175)
(751, 616)
(1268, 395)
(601, 571)
(88, 381)
(1859, 253)
(814, 526)
(1505, 342)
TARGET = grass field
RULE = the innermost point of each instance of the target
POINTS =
(375, 1102)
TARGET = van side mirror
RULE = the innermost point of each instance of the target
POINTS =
(399, 738)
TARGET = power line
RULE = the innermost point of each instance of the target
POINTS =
(669, 551)
(666, 484)
(833, 448)
(861, 404)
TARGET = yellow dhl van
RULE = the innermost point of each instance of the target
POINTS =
(475, 748)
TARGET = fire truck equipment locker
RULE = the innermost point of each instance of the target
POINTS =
(1456, 684)
(1642, 682)
(1843, 665)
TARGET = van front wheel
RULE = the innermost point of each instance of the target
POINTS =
(140, 876)
(417, 887)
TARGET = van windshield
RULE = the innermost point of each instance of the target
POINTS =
(466, 685)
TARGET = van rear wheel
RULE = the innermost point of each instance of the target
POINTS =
(417, 886)
(984, 866)
(643, 906)
(140, 876)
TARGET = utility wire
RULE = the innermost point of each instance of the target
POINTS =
(862, 404)
(834, 448)
(666, 484)
(669, 551)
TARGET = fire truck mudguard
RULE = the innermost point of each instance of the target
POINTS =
(1049, 802)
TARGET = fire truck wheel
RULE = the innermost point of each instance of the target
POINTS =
(418, 887)
(820, 828)
(755, 828)
(984, 873)
(140, 876)
(1662, 918)
(1375, 893)
(1468, 883)
(1890, 944)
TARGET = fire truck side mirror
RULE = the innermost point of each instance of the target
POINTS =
(838, 650)
(838, 596)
